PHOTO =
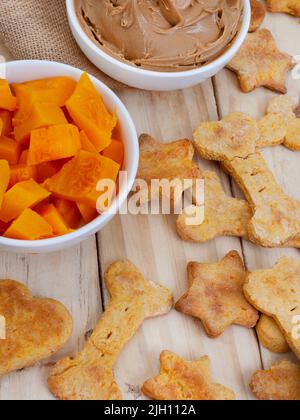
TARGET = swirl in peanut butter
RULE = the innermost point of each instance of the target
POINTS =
(162, 35)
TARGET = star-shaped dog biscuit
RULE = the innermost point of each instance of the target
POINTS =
(183, 380)
(291, 7)
(260, 63)
(216, 295)
(280, 383)
(35, 328)
(172, 162)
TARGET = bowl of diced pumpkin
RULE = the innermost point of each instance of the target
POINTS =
(62, 132)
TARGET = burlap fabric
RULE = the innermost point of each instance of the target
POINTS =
(39, 29)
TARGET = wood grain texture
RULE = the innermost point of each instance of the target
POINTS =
(152, 244)
(283, 163)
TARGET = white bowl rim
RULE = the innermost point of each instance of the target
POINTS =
(158, 74)
(94, 226)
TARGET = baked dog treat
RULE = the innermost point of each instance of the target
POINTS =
(276, 293)
(270, 336)
(216, 297)
(35, 328)
(260, 63)
(234, 144)
(183, 380)
(283, 105)
(224, 216)
(171, 161)
(258, 13)
(281, 382)
(89, 375)
(276, 219)
(280, 125)
(291, 7)
(236, 135)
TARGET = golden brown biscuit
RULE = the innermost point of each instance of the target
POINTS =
(216, 297)
(276, 219)
(258, 13)
(281, 382)
(233, 141)
(291, 7)
(282, 105)
(171, 161)
(89, 375)
(260, 63)
(276, 293)
(236, 135)
(224, 216)
(183, 380)
(280, 125)
(273, 130)
(35, 328)
(270, 335)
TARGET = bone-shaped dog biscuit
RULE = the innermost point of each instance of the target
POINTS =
(276, 219)
(224, 216)
(280, 125)
(89, 376)
(276, 293)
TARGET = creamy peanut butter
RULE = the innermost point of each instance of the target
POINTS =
(162, 35)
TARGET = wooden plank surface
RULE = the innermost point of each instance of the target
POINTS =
(74, 276)
(283, 162)
(152, 244)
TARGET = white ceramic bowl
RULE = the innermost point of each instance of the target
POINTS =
(21, 71)
(152, 80)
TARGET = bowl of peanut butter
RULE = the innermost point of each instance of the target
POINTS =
(159, 44)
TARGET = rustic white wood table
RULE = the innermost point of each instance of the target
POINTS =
(75, 276)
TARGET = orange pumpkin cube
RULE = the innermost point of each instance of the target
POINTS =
(4, 179)
(23, 195)
(10, 150)
(7, 100)
(88, 111)
(6, 123)
(42, 115)
(56, 90)
(88, 213)
(54, 218)
(53, 143)
(29, 226)
(69, 211)
(78, 179)
(47, 170)
(24, 157)
(115, 151)
(86, 144)
(21, 172)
